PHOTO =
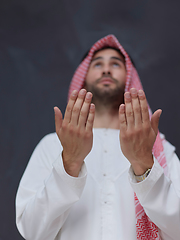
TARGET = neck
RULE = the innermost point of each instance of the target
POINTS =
(106, 118)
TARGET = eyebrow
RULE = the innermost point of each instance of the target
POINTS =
(110, 58)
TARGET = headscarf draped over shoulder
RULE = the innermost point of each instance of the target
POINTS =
(145, 228)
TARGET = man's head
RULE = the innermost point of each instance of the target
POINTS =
(106, 76)
(110, 41)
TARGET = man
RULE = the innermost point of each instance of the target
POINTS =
(92, 181)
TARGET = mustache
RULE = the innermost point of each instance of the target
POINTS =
(106, 76)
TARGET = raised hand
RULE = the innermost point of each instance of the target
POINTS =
(75, 130)
(137, 131)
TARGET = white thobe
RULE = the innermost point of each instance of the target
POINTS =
(99, 203)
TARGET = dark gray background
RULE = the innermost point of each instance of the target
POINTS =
(41, 44)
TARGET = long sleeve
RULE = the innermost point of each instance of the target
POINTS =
(46, 192)
(51, 205)
(160, 195)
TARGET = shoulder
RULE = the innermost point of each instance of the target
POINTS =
(172, 160)
(49, 138)
(49, 144)
(169, 149)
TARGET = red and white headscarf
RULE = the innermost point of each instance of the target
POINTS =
(145, 228)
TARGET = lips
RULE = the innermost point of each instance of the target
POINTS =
(106, 80)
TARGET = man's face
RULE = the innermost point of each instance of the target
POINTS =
(106, 76)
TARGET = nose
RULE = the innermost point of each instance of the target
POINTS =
(106, 70)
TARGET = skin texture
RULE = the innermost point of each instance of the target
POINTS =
(106, 80)
(128, 112)
(137, 131)
(75, 130)
(107, 61)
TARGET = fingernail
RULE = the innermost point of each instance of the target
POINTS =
(122, 107)
(127, 95)
(92, 106)
(82, 92)
(88, 95)
(74, 92)
(160, 112)
(133, 91)
(140, 93)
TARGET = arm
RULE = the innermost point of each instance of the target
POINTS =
(160, 197)
(47, 190)
(158, 194)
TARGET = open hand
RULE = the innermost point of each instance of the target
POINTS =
(137, 131)
(75, 130)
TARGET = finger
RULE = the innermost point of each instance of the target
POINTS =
(122, 118)
(85, 110)
(136, 107)
(144, 107)
(71, 102)
(58, 118)
(90, 119)
(129, 110)
(155, 120)
(77, 107)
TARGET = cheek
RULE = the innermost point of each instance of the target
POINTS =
(88, 78)
(92, 76)
(121, 75)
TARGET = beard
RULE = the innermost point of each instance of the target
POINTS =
(106, 95)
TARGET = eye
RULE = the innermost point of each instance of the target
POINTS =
(115, 64)
(98, 64)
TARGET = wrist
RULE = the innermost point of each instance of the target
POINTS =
(140, 178)
(141, 168)
(71, 167)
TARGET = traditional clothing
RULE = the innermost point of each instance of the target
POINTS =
(132, 80)
(51, 205)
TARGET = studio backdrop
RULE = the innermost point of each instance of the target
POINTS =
(42, 43)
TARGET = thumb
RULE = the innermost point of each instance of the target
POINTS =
(58, 118)
(155, 120)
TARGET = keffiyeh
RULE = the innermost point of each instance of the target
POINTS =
(145, 228)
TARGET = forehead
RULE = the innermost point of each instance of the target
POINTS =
(107, 54)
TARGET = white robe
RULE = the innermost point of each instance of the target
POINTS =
(99, 204)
